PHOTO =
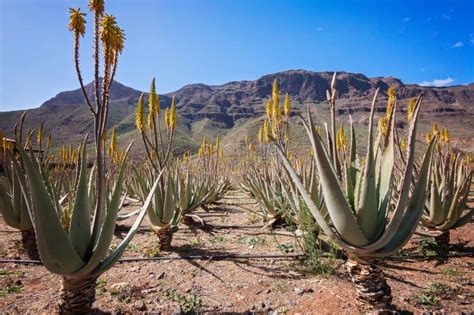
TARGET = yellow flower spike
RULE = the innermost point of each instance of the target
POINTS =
(49, 141)
(210, 149)
(287, 135)
(40, 135)
(77, 22)
(411, 108)
(260, 135)
(446, 135)
(173, 117)
(140, 115)
(251, 148)
(276, 114)
(287, 105)
(392, 93)
(434, 128)
(97, 6)
(153, 100)
(266, 131)
(428, 137)
(167, 117)
(150, 120)
(383, 125)
(113, 143)
(269, 109)
(275, 95)
(274, 127)
(221, 153)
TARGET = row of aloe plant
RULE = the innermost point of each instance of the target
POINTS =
(361, 204)
(73, 211)
(369, 206)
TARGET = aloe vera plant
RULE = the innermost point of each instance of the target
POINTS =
(264, 187)
(75, 254)
(164, 213)
(13, 206)
(358, 201)
(446, 207)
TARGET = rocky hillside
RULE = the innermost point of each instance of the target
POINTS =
(222, 106)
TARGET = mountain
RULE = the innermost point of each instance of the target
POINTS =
(211, 110)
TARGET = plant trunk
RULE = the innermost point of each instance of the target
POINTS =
(77, 295)
(443, 244)
(165, 236)
(373, 292)
(28, 241)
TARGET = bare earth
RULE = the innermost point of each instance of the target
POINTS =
(236, 285)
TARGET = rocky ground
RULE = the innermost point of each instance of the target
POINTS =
(281, 284)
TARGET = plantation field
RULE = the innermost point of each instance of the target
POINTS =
(239, 284)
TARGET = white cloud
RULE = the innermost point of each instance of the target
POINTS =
(446, 17)
(438, 82)
(458, 44)
(407, 19)
(320, 28)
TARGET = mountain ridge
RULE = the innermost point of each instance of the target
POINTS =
(224, 104)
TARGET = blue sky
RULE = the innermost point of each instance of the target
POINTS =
(213, 42)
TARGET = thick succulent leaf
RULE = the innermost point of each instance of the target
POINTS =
(397, 217)
(457, 205)
(56, 252)
(110, 260)
(108, 226)
(156, 209)
(80, 228)
(7, 210)
(315, 211)
(414, 209)
(464, 219)
(387, 161)
(17, 197)
(367, 209)
(437, 213)
(339, 210)
(170, 201)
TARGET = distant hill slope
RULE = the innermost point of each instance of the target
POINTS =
(208, 111)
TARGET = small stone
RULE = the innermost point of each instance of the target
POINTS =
(229, 305)
(291, 303)
(299, 291)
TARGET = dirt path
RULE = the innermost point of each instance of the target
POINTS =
(237, 285)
